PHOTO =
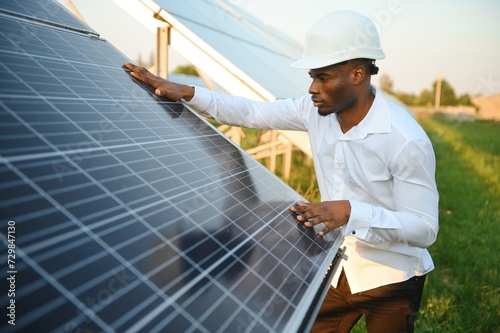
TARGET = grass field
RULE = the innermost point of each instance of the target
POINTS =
(463, 293)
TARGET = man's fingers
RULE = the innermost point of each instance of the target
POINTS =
(311, 222)
(299, 207)
(140, 73)
(132, 66)
(331, 214)
(304, 217)
(325, 230)
(163, 88)
(132, 72)
(317, 220)
(304, 213)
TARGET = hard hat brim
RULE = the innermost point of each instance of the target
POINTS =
(314, 63)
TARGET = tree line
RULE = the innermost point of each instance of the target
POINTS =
(427, 96)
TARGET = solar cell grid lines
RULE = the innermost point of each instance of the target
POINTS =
(123, 212)
(42, 11)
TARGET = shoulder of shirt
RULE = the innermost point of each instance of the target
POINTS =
(403, 119)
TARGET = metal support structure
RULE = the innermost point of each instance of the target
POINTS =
(75, 10)
(437, 103)
(161, 55)
(233, 132)
(275, 145)
(205, 79)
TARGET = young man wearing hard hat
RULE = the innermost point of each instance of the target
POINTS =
(375, 168)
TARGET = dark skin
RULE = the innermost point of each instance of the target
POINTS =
(164, 88)
(341, 89)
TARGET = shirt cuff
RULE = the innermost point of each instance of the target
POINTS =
(359, 220)
(200, 101)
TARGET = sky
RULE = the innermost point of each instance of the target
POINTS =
(457, 39)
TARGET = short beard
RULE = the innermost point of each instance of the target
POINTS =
(345, 107)
(324, 114)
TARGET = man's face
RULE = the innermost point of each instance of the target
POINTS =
(331, 89)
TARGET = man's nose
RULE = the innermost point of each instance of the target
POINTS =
(313, 88)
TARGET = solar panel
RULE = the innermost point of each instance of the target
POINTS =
(123, 212)
(261, 52)
(228, 45)
(45, 11)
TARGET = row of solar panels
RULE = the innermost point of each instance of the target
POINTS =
(123, 212)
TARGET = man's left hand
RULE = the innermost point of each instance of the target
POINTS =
(332, 214)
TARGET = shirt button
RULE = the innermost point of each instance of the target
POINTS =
(337, 190)
(353, 232)
(339, 165)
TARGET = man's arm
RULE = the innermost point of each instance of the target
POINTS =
(414, 218)
(414, 221)
(164, 88)
(226, 109)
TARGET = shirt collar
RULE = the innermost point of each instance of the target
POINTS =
(377, 120)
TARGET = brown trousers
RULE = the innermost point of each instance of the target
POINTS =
(387, 309)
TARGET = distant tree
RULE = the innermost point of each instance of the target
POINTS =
(465, 99)
(386, 83)
(408, 99)
(426, 97)
(143, 63)
(448, 96)
(185, 69)
(139, 60)
(151, 59)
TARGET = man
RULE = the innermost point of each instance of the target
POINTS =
(375, 168)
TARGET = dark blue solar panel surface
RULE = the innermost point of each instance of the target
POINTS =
(49, 11)
(127, 213)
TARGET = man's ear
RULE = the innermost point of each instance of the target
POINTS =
(358, 74)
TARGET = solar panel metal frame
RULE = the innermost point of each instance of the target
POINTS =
(129, 212)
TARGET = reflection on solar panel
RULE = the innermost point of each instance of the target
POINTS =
(254, 47)
(122, 212)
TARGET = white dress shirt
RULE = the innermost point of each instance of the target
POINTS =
(384, 166)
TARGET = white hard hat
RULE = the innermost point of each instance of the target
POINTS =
(340, 36)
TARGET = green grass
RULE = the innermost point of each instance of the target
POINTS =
(463, 293)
